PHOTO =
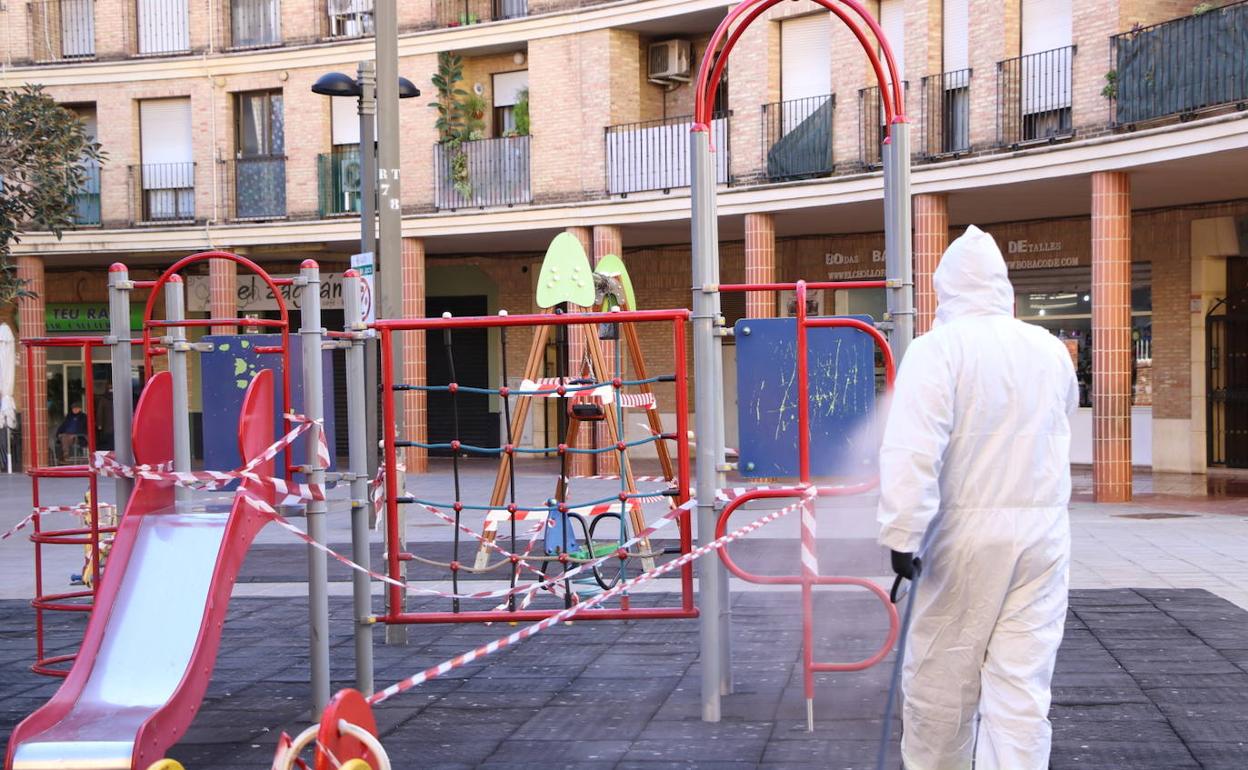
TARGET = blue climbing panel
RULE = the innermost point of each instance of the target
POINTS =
(842, 397)
(225, 373)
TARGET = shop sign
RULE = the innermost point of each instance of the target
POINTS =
(252, 294)
(62, 317)
(1020, 254)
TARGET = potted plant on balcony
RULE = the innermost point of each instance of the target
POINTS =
(461, 118)
(520, 113)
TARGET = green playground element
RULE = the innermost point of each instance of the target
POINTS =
(613, 267)
(566, 275)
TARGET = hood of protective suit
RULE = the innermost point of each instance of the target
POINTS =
(972, 280)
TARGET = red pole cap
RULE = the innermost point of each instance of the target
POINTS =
(175, 278)
(309, 263)
(116, 267)
(350, 272)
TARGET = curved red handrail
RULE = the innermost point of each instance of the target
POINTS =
(711, 69)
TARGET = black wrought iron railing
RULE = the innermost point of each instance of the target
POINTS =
(654, 154)
(1034, 97)
(797, 137)
(871, 127)
(339, 181)
(62, 30)
(252, 24)
(162, 27)
(1180, 67)
(87, 199)
(946, 114)
(487, 172)
(348, 18)
(163, 192)
(258, 187)
(461, 13)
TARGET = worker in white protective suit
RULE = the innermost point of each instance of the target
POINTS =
(975, 481)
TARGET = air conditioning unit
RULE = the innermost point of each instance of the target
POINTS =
(670, 61)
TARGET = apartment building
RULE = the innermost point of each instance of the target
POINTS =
(1103, 143)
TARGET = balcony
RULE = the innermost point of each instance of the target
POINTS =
(461, 13)
(487, 172)
(654, 154)
(946, 114)
(62, 30)
(797, 137)
(252, 24)
(163, 27)
(1180, 67)
(338, 175)
(1034, 97)
(257, 187)
(87, 199)
(346, 19)
(871, 127)
(164, 193)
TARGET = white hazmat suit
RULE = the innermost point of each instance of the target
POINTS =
(975, 475)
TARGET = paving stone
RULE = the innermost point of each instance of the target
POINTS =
(1220, 756)
(1116, 755)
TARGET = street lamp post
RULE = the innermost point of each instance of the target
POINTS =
(364, 88)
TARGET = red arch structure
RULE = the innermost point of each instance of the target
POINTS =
(709, 418)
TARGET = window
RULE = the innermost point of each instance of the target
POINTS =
(1046, 68)
(260, 166)
(164, 26)
(508, 88)
(87, 199)
(255, 23)
(350, 18)
(167, 173)
(1060, 300)
(955, 124)
(805, 66)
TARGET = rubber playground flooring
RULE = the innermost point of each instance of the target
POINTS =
(1146, 680)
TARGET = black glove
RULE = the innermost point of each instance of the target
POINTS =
(905, 564)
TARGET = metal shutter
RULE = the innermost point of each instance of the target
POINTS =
(954, 36)
(806, 57)
(345, 119)
(893, 20)
(1046, 25)
(507, 87)
(165, 143)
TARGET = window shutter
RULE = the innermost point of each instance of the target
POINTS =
(893, 20)
(345, 120)
(165, 138)
(1046, 25)
(806, 56)
(507, 87)
(956, 30)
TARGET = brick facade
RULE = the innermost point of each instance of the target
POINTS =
(931, 238)
(415, 402)
(1111, 337)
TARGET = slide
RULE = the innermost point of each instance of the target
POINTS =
(151, 641)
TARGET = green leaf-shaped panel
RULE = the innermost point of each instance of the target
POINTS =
(613, 265)
(566, 275)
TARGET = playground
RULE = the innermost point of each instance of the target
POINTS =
(644, 589)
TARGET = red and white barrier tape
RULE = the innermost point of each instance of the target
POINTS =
(569, 613)
(285, 492)
(549, 387)
(81, 509)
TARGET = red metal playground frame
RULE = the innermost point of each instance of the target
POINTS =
(387, 330)
(715, 653)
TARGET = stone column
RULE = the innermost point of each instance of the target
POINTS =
(1111, 337)
(415, 402)
(30, 324)
(760, 264)
(582, 464)
(608, 240)
(222, 292)
(931, 238)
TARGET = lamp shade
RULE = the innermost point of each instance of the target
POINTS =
(336, 84)
(407, 89)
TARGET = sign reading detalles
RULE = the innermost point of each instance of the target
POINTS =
(227, 370)
(842, 398)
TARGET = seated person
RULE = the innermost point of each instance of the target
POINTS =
(73, 427)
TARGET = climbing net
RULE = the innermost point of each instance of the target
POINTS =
(564, 545)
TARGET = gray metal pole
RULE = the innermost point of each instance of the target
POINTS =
(175, 310)
(390, 210)
(310, 336)
(366, 76)
(357, 439)
(898, 239)
(119, 288)
(707, 416)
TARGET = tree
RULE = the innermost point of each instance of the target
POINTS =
(43, 151)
